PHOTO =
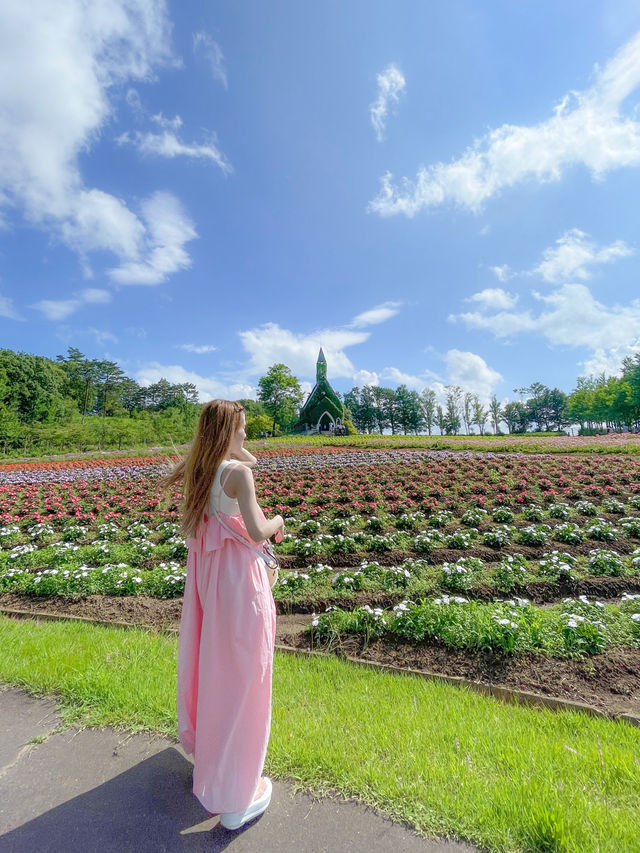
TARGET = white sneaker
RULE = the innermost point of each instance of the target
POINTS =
(234, 820)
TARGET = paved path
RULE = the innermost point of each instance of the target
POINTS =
(80, 791)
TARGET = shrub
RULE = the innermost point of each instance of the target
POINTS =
(569, 533)
(602, 530)
(559, 510)
(474, 516)
(602, 562)
(586, 508)
(533, 513)
(498, 537)
(557, 566)
(510, 572)
(532, 535)
(503, 514)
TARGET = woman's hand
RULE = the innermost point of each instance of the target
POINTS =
(245, 457)
(279, 533)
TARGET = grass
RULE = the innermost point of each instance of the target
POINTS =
(525, 442)
(444, 759)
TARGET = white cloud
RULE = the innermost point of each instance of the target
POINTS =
(574, 318)
(203, 42)
(138, 331)
(132, 99)
(101, 336)
(59, 66)
(466, 369)
(494, 297)
(502, 273)
(269, 344)
(167, 144)
(377, 315)
(574, 253)
(209, 387)
(57, 309)
(398, 377)
(502, 325)
(609, 361)
(7, 309)
(95, 295)
(167, 230)
(174, 123)
(586, 128)
(471, 372)
(366, 377)
(199, 350)
(60, 309)
(391, 84)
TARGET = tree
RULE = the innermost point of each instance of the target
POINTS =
(130, 395)
(367, 411)
(480, 414)
(467, 411)
(389, 404)
(252, 408)
(280, 393)
(409, 410)
(82, 375)
(415, 421)
(516, 416)
(110, 375)
(454, 393)
(36, 386)
(380, 414)
(580, 402)
(352, 402)
(441, 419)
(495, 412)
(428, 399)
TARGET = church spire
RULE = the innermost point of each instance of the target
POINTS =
(321, 367)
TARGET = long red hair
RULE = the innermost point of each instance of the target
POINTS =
(219, 419)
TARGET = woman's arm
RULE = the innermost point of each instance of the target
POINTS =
(240, 485)
(245, 457)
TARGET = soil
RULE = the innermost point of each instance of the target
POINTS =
(148, 612)
(609, 681)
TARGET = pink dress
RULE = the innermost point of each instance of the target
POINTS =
(225, 658)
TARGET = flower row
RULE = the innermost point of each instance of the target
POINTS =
(71, 574)
(572, 628)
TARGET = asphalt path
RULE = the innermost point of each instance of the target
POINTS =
(86, 790)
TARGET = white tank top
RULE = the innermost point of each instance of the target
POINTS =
(229, 506)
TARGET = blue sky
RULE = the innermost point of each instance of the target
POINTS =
(434, 193)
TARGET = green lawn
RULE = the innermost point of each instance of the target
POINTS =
(444, 759)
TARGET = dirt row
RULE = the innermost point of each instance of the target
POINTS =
(609, 681)
(449, 555)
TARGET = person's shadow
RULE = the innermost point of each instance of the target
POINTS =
(149, 807)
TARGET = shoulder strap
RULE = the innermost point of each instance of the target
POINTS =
(267, 554)
(223, 478)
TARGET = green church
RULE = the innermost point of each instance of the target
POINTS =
(323, 411)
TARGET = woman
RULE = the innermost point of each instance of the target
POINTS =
(227, 628)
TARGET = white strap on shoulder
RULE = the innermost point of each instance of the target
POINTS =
(223, 478)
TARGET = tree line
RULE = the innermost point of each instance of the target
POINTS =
(77, 402)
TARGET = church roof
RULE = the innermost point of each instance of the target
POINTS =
(321, 356)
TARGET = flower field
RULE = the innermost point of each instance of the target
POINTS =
(492, 564)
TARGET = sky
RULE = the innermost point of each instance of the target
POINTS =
(435, 193)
